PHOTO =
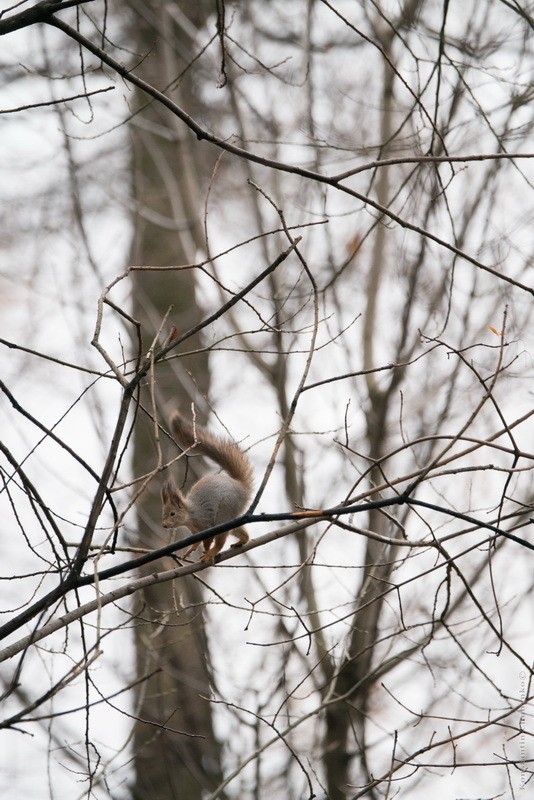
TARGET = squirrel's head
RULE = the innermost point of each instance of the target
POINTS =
(175, 510)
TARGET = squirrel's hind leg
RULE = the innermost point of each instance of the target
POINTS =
(213, 547)
(241, 535)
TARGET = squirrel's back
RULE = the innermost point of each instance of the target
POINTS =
(215, 499)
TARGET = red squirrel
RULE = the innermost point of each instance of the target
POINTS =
(214, 498)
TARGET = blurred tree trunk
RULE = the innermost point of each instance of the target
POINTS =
(345, 720)
(170, 635)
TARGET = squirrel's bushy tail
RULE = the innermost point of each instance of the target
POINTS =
(226, 453)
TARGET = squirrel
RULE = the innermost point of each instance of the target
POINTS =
(214, 498)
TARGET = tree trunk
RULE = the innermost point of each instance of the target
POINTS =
(176, 751)
(345, 720)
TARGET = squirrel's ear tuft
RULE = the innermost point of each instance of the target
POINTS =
(168, 489)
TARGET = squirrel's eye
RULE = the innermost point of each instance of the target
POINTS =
(172, 514)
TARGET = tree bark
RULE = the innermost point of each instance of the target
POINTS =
(345, 720)
(176, 751)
